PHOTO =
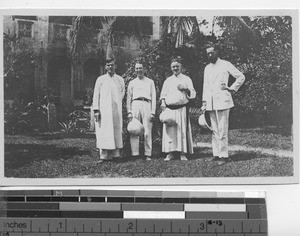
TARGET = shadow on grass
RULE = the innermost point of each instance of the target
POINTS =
(19, 155)
(201, 152)
(243, 156)
(238, 156)
(57, 136)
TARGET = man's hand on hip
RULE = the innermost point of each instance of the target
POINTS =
(225, 87)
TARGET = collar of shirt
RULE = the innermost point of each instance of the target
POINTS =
(179, 75)
(140, 78)
(110, 75)
(217, 62)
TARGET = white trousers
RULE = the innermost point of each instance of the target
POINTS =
(219, 122)
(141, 110)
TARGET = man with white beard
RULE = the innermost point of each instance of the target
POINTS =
(217, 99)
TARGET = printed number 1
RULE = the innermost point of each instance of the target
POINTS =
(130, 225)
(60, 225)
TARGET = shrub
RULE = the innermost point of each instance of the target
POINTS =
(78, 122)
(25, 117)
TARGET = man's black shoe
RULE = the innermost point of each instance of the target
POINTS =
(216, 158)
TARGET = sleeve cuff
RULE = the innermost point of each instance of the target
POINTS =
(233, 88)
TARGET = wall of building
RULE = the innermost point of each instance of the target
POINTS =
(54, 66)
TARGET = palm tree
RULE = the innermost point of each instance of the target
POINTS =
(177, 29)
(86, 27)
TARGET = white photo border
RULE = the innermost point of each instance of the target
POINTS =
(160, 181)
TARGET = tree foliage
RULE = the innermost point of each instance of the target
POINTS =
(85, 28)
(266, 96)
(18, 63)
(261, 47)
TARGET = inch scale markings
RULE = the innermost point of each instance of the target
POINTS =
(131, 213)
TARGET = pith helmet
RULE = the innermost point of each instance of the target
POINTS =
(204, 121)
(167, 117)
(135, 127)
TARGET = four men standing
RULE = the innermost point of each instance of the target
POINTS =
(176, 92)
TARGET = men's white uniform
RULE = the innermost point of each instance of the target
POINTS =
(108, 94)
(219, 102)
(178, 137)
(141, 102)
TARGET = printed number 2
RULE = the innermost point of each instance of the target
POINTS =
(130, 225)
(202, 227)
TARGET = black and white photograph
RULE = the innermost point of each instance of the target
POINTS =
(162, 97)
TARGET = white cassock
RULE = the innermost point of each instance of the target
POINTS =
(142, 109)
(177, 137)
(219, 102)
(108, 94)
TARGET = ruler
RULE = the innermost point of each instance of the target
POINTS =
(90, 212)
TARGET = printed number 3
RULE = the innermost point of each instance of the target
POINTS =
(130, 225)
(202, 226)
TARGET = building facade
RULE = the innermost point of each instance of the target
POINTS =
(54, 68)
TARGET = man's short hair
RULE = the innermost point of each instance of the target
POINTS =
(177, 59)
(109, 60)
(139, 62)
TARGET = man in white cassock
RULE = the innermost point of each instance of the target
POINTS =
(176, 92)
(107, 106)
(141, 104)
(217, 99)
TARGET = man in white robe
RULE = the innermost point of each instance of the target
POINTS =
(107, 106)
(217, 100)
(176, 92)
(141, 105)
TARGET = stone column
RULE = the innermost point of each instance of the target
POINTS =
(41, 36)
(156, 27)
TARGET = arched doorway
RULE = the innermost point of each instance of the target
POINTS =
(92, 68)
(59, 81)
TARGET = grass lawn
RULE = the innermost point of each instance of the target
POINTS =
(264, 138)
(57, 156)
